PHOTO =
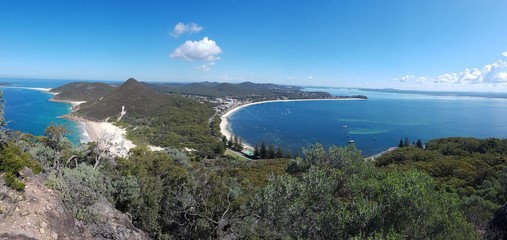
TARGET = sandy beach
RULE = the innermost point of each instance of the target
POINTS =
(224, 124)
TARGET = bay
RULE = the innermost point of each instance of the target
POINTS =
(374, 124)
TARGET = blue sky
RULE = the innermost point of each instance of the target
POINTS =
(441, 45)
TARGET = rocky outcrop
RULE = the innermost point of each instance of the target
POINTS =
(112, 224)
(39, 213)
(497, 227)
(36, 213)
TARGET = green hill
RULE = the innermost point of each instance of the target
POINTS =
(81, 91)
(153, 117)
(245, 90)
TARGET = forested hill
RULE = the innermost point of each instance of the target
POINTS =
(81, 91)
(474, 169)
(246, 90)
(137, 99)
(153, 117)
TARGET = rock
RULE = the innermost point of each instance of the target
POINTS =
(54, 236)
(113, 224)
(25, 213)
(37, 213)
(497, 227)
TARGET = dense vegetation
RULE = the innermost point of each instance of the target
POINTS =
(82, 91)
(474, 169)
(241, 91)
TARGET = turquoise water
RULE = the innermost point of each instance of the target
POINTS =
(30, 111)
(375, 124)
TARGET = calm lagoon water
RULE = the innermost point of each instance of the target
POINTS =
(375, 124)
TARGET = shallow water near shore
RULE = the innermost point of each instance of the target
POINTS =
(30, 111)
(374, 125)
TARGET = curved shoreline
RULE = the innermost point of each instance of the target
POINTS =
(225, 125)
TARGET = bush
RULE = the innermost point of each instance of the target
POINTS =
(12, 182)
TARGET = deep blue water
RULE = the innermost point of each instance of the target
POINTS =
(31, 111)
(375, 124)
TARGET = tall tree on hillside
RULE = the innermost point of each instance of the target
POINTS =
(406, 143)
(419, 144)
(230, 144)
(279, 152)
(288, 155)
(257, 154)
(239, 147)
(263, 151)
(224, 141)
(401, 143)
(235, 143)
(271, 151)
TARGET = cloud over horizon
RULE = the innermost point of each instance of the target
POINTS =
(202, 50)
(492, 75)
(182, 28)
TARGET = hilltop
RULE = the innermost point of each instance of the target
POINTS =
(137, 99)
(81, 91)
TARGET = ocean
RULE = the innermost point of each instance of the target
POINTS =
(29, 110)
(374, 124)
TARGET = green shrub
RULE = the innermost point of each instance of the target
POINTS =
(12, 182)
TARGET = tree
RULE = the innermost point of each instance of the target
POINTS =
(236, 143)
(263, 151)
(401, 143)
(230, 144)
(102, 148)
(224, 141)
(419, 143)
(279, 152)
(406, 143)
(288, 155)
(296, 155)
(220, 148)
(350, 200)
(271, 151)
(256, 151)
(239, 147)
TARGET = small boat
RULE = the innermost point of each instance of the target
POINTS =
(344, 126)
(351, 141)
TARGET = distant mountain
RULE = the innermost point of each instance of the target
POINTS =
(245, 90)
(81, 91)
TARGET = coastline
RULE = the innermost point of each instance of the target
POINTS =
(94, 131)
(225, 125)
(104, 131)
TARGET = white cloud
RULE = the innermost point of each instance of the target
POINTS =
(182, 28)
(310, 77)
(205, 67)
(490, 75)
(203, 50)
(504, 54)
(405, 78)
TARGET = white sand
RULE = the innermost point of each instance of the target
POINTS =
(115, 136)
(224, 124)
